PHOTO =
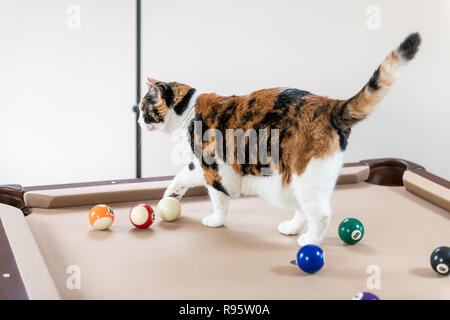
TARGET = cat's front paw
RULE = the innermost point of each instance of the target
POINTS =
(290, 227)
(176, 193)
(213, 221)
(306, 238)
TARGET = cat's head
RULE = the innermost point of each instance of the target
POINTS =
(164, 102)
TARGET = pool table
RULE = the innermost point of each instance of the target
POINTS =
(48, 250)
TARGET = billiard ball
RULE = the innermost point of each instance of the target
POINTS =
(142, 216)
(351, 230)
(101, 217)
(440, 260)
(169, 209)
(310, 258)
(365, 296)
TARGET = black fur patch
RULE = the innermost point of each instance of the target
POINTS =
(248, 116)
(251, 102)
(182, 105)
(343, 138)
(225, 114)
(191, 166)
(153, 116)
(166, 93)
(409, 46)
(337, 121)
(273, 118)
(192, 135)
(191, 131)
(219, 186)
(214, 166)
(318, 111)
(373, 82)
(289, 96)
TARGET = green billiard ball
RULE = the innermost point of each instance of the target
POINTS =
(351, 230)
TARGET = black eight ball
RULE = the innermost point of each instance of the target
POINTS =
(440, 260)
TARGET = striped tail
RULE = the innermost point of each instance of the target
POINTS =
(359, 106)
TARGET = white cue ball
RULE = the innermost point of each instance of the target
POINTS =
(169, 209)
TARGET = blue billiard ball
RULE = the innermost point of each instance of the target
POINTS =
(310, 258)
(365, 296)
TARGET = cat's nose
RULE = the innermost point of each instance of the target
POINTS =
(141, 121)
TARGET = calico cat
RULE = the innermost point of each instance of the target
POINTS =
(300, 170)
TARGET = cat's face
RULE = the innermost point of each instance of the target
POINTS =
(163, 101)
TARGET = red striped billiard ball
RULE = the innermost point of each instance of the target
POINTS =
(142, 216)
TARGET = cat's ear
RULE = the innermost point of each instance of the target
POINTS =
(153, 91)
(151, 81)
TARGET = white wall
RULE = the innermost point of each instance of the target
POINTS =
(65, 95)
(234, 47)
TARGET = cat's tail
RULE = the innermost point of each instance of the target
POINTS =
(359, 106)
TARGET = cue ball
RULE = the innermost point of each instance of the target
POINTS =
(351, 230)
(440, 260)
(101, 217)
(169, 209)
(310, 258)
(142, 216)
(365, 296)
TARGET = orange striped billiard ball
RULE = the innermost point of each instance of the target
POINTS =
(101, 217)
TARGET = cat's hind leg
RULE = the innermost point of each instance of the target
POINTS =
(313, 190)
(318, 214)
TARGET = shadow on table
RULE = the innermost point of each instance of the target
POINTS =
(181, 222)
(141, 233)
(359, 248)
(99, 235)
(423, 273)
